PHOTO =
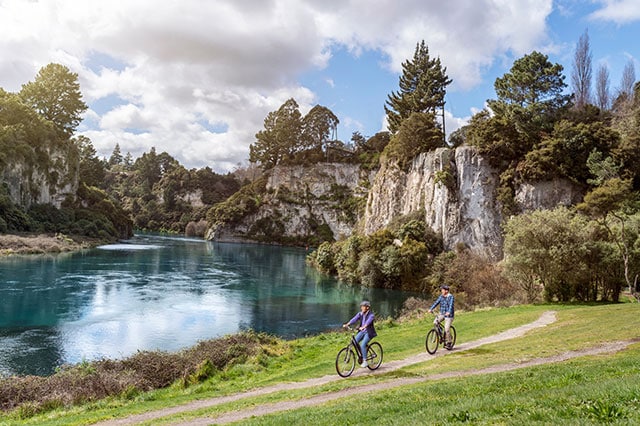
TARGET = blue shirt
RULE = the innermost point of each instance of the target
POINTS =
(446, 305)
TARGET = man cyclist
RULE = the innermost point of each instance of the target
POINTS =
(447, 311)
(366, 330)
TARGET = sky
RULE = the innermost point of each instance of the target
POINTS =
(196, 78)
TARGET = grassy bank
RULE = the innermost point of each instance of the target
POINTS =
(577, 327)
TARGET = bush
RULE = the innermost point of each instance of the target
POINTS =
(418, 133)
(143, 371)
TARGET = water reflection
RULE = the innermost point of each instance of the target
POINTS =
(162, 293)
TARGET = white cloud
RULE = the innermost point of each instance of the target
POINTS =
(618, 11)
(179, 64)
(453, 123)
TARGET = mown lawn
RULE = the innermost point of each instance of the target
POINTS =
(578, 327)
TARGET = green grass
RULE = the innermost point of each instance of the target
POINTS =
(593, 390)
(577, 327)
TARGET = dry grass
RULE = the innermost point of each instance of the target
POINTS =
(144, 371)
(42, 243)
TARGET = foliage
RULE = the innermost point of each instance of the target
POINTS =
(531, 94)
(417, 134)
(475, 280)
(55, 95)
(565, 153)
(242, 203)
(564, 254)
(143, 371)
(397, 257)
(422, 88)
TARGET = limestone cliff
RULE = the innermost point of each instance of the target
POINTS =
(298, 204)
(49, 181)
(454, 188)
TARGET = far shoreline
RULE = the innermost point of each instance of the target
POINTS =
(44, 243)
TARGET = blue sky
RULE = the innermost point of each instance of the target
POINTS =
(196, 78)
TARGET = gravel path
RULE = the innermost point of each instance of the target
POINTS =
(545, 319)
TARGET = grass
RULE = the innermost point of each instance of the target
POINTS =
(577, 327)
(595, 390)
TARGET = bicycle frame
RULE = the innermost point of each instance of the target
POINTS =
(356, 345)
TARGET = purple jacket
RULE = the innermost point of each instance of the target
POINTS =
(366, 321)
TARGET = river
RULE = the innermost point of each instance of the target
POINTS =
(165, 293)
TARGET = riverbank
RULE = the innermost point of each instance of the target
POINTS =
(588, 368)
(11, 244)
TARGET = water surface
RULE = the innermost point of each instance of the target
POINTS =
(165, 293)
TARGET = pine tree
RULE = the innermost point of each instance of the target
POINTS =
(116, 156)
(423, 86)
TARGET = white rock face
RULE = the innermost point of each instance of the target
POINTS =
(456, 190)
(30, 185)
(300, 196)
(548, 194)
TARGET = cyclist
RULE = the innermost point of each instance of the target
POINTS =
(447, 311)
(366, 330)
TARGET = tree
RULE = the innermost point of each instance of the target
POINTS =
(582, 71)
(55, 95)
(628, 80)
(603, 97)
(318, 126)
(423, 86)
(530, 94)
(561, 252)
(116, 157)
(614, 199)
(91, 168)
(280, 138)
(417, 134)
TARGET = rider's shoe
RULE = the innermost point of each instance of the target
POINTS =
(364, 364)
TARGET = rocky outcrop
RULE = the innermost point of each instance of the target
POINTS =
(53, 182)
(301, 204)
(548, 194)
(454, 188)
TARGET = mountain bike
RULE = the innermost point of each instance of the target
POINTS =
(436, 337)
(350, 354)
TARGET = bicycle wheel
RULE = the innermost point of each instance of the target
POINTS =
(374, 355)
(452, 339)
(345, 362)
(432, 342)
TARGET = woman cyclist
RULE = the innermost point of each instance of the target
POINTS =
(366, 330)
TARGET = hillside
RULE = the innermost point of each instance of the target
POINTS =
(565, 358)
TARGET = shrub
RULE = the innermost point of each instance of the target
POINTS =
(143, 371)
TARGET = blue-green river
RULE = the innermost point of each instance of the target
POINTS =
(155, 292)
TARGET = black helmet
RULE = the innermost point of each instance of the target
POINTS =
(365, 303)
(444, 287)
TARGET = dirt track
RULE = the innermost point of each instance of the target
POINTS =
(263, 409)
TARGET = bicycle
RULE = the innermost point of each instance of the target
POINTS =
(436, 337)
(347, 356)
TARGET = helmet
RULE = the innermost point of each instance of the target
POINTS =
(444, 287)
(365, 303)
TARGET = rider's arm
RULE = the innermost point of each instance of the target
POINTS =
(354, 319)
(436, 303)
